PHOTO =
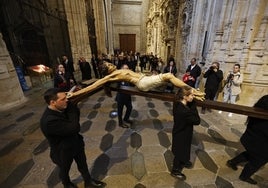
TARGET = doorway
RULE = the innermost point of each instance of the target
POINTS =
(127, 42)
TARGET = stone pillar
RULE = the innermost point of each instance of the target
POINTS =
(78, 30)
(98, 8)
(143, 38)
(11, 92)
(197, 30)
(109, 28)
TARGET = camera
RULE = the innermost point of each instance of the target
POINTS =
(212, 67)
(230, 77)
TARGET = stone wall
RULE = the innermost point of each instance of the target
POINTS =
(239, 37)
(127, 19)
(226, 31)
(11, 92)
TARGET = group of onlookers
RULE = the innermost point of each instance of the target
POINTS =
(215, 81)
(64, 74)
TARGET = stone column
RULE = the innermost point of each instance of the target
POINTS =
(98, 7)
(11, 92)
(109, 27)
(143, 38)
(196, 26)
(78, 31)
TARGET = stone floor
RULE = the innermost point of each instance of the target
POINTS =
(139, 157)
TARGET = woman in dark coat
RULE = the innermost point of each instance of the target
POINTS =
(185, 116)
(171, 67)
(214, 77)
(255, 142)
(63, 79)
(85, 69)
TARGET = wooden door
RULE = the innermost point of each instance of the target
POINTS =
(127, 42)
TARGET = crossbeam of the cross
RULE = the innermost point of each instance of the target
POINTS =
(235, 108)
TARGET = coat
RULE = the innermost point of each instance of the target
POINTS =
(123, 97)
(62, 131)
(62, 80)
(173, 70)
(185, 117)
(213, 79)
(233, 85)
(85, 70)
(255, 138)
(195, 72)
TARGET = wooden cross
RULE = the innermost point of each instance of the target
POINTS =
(235, 108)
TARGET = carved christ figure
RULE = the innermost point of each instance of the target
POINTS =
(141, 81)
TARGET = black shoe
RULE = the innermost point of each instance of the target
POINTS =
(129, 121)
(95, 183)
(123, 125)
(209, 110)
(188, 164)
(178, 174)
(249, 180)
(203, 111)
(70, 185)
(231, 165)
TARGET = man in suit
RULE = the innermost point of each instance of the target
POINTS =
(69, 67)
(124, 100)
(60, 125)
(195, 71)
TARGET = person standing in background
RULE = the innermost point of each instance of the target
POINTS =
(85, 68)
(69, 67)
(214, 77)
(194, 71)
(170, 68)
(232, 87)
(63, 79)
(185, 116)
(94, 63)
(124, 100)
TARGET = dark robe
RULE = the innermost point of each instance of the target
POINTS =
(212, 84)
(255, 138)
(185, 117)
(85, 70)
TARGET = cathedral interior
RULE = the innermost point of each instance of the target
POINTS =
(35, 34)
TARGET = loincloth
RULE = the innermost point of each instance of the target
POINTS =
(147, 83)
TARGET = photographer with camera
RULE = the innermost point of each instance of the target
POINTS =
(232, 87)
(214, 77)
